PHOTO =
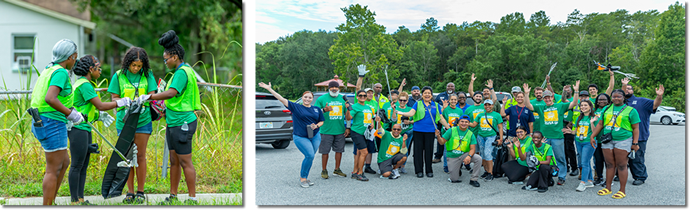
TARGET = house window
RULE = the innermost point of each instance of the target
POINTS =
(22, 50)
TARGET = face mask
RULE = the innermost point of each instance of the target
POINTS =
(334, 94)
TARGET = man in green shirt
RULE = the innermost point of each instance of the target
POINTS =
(538, 93)
(390, 158)
(460, 147)
(552, 125)
(333, 129)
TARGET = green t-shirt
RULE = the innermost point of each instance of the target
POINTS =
(524, 144)
(362, 117)
(114, 87)
(82, 96)
(389, 146)
(456, 153)
(473, 112)
(584, 130)
(537, 123)
(451, 114)
(485, 121)
(334, 121)
(620, 134)
(173, 118)
(593, 100)
(60, 78)
(408, 127)
(552, 120)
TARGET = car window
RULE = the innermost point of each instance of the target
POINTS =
(269, 104)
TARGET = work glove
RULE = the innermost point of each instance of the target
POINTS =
(143, 98)
(75, 117)
(362, 70)
(105, 118)
(123, 102)
(93, 148)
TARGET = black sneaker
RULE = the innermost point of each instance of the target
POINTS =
(542, 190)
(361, 177)
(369, 170)
(445, 169)
(616, 179)
(638, 182)
(429, 175)
(561, 181)
(420, 175)
(485, 174)
(129, 198)
(474, 183)
(489, 178)
(169, 200)
(575, 172)
(468, 167)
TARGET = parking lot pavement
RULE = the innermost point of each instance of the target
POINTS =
(277, 179)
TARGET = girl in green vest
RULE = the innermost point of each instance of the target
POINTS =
(621, 121)
(516, 170)
(541, 179)
(133, 80)
(52, 98)
(89, 104)
(181, 99)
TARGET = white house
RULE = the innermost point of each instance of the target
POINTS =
(46, 22)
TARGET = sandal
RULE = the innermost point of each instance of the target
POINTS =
(604, 192)
(129, 198)
(618, 195)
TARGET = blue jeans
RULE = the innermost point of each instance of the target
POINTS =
(409, 143)
(585, 151)
(485, 147)
(558, 146)
(145, 129)
(52, 136)
(637, 167)
(308, 147)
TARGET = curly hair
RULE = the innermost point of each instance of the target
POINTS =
(84, 65)
(137, 54)
(170, 42)
(625, 100)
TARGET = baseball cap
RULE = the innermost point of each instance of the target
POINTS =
(395, 91)
(516, 89)
(367, 89)
(547, 93)
(488, 101)
(415, 87)
(333, 84)
(465, 117)
(584, 92)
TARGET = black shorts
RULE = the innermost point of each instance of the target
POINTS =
(358, 140)
(180, 141)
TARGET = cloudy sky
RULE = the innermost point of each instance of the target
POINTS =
(278, 18)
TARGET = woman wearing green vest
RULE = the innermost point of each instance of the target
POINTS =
(585, 147)
(540, 180)
(516, 170)
(52, 97)
(461, 146)
(620, 121)
(89, 104)
(181, 100)
(133, 80)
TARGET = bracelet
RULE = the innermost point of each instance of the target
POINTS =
(492, 89)
(635, 143)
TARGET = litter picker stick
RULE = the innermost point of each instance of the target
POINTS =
(552, 67)
(106, 141)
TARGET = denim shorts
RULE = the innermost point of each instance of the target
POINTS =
(53, 134)
(146, 129)
(622, 145)
(486, 149)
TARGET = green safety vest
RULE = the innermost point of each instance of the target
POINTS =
(421, 112)
(189, 100)
(542, 157)
(87, 108)
(623, 119)
(127, 90)
(38, 95)
(456, 142)
(524, 147)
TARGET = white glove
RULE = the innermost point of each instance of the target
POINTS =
(75, 117)
(69, 125)
(105, 118)
(362, 70)
(143, 98)
(123, 102)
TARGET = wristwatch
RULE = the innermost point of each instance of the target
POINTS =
(635, 143)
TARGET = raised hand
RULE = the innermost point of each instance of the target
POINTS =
(404, 138)
(445, 103)
(548, 78)
(526, 87)
(362, 69)
(473, 77)
(490, 84)
(660, 90)
(576, 87)
(403, 83)
(264, 85)
(505, 99)
(625, 81)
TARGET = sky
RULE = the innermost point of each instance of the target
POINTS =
(280, 18)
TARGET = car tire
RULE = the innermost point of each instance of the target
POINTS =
(666, 120)
(281, 144)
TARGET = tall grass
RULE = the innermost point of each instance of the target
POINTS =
(217, 148)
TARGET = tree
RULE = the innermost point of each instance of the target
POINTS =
(430, 26)
(512, 24)
(362, 41)
(402, 36)
(418, 62)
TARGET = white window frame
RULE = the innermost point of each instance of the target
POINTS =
(14, 51)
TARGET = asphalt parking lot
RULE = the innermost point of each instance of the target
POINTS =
(277, 182)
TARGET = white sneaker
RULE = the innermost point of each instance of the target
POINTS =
(589, 184)
(396, 172)
(581, 187)
(379, 171)
(383, 177)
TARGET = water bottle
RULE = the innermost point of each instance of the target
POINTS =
(185, 127)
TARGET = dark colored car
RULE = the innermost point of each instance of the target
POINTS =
(273, 121)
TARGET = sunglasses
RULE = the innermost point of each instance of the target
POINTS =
(361, 95)
(396, 129)
(402, 100)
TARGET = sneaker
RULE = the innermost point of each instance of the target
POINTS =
(581, 187)
(86, 203)
(542, 190)
(474, 183)
(403, 171)
(361, 177)
(378, 171)
(518, 183)
(616, 179)
(458, 181)
(489, 177)
(310, 183)
(484, 175)
(589, 184)
(353, 176)
(396, 172)
(383, 177)
(561, 181)
(338, 172)
(324, 174)
(575, 172)
(429, 175)
(304, 184)
(599, 181)
(468, 167)
(129, 198)
(445, 169)
(437, 160)
(191, 202)
(168, 200)
(638, 182)
(420, 175)
(369, 170)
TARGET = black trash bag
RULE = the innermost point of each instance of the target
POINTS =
(115, 177)
(500, 158)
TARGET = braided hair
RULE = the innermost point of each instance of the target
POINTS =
(608, 100)
(137, 54)
(170, 42)
(84, 65)
(625, 100)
